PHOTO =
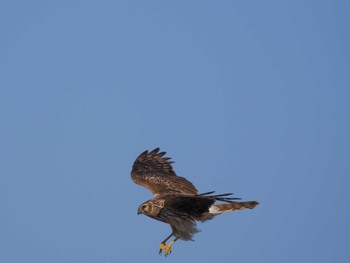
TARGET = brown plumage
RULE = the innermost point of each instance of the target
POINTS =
(176, 201)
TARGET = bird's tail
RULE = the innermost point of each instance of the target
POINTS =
(223, 208)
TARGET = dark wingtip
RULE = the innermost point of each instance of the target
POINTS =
(144, 153)
(156, 150)
(207, 193)
(161, 154)
(153, 152)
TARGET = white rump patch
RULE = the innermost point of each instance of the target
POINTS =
(214, 210)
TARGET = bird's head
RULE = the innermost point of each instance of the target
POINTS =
(145, 208)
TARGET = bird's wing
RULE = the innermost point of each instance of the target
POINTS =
(195, 205)
(156, 173)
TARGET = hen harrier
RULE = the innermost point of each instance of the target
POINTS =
(175, 200)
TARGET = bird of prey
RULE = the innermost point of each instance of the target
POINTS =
(175, 200)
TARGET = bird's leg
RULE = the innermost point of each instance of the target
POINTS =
(163, 245)
(168, 247)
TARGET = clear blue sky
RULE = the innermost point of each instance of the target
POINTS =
(250, 97)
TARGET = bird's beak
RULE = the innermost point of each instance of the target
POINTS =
(139, 211)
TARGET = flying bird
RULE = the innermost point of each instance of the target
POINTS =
(176, 200)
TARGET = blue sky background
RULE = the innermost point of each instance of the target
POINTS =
(250, 97)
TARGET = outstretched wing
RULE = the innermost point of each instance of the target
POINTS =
(196, 205)
(181, 211)
(155, 172)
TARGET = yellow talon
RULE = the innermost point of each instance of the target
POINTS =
(168, 248)
(161, 247)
